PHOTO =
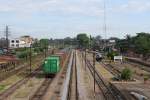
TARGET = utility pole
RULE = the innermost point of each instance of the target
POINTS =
(82, 57)
(90, 43)
(45, 49)
(30, 57)
(85, 59)
(94, 68)
(105, 26)
(26, 51)
(7, 34)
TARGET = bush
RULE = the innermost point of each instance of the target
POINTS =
(146, 77)
(126, 74)
(22, 54)
(112, 54)
(20, 49)
(41, 49)
(37, 50)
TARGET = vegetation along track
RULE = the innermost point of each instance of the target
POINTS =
(116, 71)
(73, 84)
(14, 87)
(104, 86)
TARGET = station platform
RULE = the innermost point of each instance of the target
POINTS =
(86, 82)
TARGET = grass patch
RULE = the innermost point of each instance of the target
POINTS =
(2, 87)
(22, 94)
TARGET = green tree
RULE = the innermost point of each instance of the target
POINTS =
(112, 54)
(125, 45)
(83, 40)
(36, 43)
(96, 42)
(67, 41)
(142, 44)
(44, 43)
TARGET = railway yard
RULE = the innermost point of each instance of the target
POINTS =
(74, 50)
(80, 78)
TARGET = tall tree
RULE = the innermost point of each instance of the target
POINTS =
(44, 43)
(142, 44)
(83, 40)
(139, 44)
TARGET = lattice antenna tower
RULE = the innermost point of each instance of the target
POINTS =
(105, 24)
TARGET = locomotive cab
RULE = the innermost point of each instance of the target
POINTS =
(99, 57)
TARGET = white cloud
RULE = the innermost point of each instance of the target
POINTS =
(83, 7)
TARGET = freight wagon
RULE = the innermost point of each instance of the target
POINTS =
(53, 63)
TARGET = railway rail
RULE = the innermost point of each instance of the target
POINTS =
(136, 64)
(111, 69)
(17, 85)
(114, 69)
(104, 86)
(73, 84)
(5, 75)
(42, 89)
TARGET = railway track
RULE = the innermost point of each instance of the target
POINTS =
(111, 69)
(73, 84)
(42, 89)
(17, 85)
(114, 69)
(17, 70)
(143, 67)
(104, 86)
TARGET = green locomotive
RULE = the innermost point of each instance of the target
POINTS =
(53, 63)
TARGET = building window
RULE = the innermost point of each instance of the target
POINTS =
(17, 45)
(17, 41)
(12, 45)
(12, 41)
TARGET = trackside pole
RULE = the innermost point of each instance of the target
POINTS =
(94, 70)
(85, 59)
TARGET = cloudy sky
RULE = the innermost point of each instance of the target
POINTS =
(61, 18)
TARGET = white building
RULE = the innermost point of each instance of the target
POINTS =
(14, 43)
(24, 41)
